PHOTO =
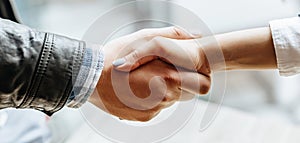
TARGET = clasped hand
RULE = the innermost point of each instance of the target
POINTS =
(148, 71)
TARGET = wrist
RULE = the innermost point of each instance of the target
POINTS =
(211, 55)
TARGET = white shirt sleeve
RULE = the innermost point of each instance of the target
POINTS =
(286, 37)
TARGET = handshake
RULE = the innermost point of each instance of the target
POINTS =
(150, 70)
(143, 73)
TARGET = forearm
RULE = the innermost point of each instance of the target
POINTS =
(37, 69)
(245, 50)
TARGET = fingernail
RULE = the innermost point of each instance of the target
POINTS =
(119, 62)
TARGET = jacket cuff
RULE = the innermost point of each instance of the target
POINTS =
(57, 68)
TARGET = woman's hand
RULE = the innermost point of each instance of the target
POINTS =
(186, 54)
(251, 49)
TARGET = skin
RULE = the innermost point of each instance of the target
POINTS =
(248, 50)
(165, 86)
(243, 50)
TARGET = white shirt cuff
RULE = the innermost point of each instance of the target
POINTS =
(286, 37)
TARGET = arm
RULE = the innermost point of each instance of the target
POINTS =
(249, 49)
(277, 46)
(36, 69)
(246, 50)
(45, 71)
(274, 47)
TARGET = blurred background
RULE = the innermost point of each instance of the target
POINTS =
(253, 98)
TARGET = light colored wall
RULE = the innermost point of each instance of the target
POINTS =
(227, 15)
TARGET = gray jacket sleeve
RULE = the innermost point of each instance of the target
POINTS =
(37, 70)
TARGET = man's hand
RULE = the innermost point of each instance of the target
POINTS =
(141, 94)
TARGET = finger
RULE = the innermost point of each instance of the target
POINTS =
(148, 52)
(138, 57)
(194, 82)
(186, 96)
(173, 32)
(169, 50)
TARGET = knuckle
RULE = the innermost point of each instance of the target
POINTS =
(166, 98)
(162, 46)
(135, 55)
(205, 86)
(143, 119)
(169, 98)
(168, 78)
(177, 32)
(148, 116)
(158, 40)
(172, 77)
